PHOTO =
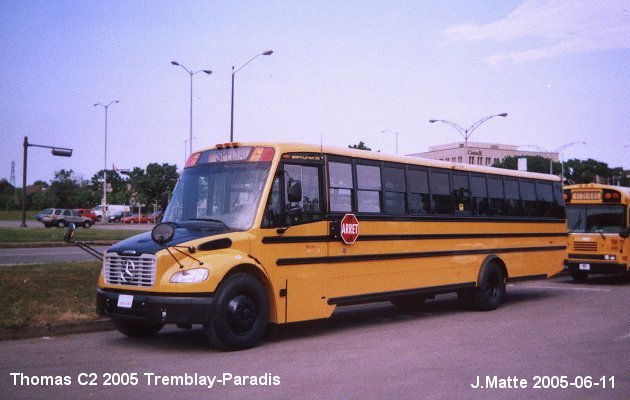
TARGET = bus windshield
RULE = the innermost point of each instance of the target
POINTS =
(596, 218)
(224, 194)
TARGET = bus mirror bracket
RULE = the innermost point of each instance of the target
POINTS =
(85, 246)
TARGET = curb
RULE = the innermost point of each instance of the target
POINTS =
(60, 329)
(24, 245)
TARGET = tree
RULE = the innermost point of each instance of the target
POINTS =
(360, 146)
(148, 186)
(534, 164)
(593, 171)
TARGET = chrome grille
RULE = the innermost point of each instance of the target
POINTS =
(585, 246)
(129, 270)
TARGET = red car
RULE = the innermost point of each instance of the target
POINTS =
(136, 219)
(86, 212)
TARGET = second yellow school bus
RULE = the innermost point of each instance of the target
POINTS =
(597, 217)
(260, 233)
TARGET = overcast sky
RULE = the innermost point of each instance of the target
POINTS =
(340, 72)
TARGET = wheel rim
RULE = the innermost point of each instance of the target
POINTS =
(241, 314)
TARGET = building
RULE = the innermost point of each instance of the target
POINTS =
(479, 153)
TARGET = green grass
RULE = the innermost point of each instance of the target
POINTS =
(56, 235)
(34, 295)
(17, 215)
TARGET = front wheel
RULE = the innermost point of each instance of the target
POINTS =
(87, 224)
(239, 315)
(135, 328)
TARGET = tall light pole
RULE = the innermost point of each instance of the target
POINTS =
(395, 133)
(466, 133)
(106, 107)
(191, 73)
(265, 53)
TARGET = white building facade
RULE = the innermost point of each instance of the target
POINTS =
(479, 153)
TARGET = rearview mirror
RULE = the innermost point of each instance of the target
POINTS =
(294, 191)
(162, 233)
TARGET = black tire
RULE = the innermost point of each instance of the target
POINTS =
(61, 224)
(239, 314)
(490, 290)
(578, 275)
(87, 224)
(136, 328)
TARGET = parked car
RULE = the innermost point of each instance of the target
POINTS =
(86, 212)
(118, 215)
(47, 211)
(136, 219)
(62, 217)
(109, 210)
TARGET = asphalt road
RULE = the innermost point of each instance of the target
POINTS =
(561, 336)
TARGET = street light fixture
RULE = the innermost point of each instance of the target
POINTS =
(106, 107)
(466, 133)
(191, 73)
(395, 133)
(56, 151)
(265, 53)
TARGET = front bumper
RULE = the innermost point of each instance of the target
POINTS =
(595, 267)
(146, 307)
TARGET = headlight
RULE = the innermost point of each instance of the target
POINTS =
(190, 276)
(610, 257)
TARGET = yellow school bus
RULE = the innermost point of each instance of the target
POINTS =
(597, 217)
(260, 233)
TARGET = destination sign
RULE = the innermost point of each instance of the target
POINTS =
(231, 154)
(592, 195)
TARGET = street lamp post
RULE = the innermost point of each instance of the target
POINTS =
(56, 151)
(265, 53)
(395, 133)
(106, 107)
(466, 133)
(191, 73)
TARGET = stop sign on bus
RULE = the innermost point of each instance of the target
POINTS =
(349, 228)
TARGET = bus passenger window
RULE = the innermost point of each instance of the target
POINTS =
(528, 194)
(440, 192)
(369, 188)
(480, 204)
(513, 204)
(395, 188)
(495, 194)
(419, 200)
(461, 194)
(340, 175)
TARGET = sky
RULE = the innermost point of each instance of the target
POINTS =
(341, 72)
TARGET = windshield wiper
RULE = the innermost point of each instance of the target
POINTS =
(218, 221)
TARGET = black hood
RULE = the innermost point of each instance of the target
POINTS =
(143, 244)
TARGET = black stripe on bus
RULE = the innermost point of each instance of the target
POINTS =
(396, 256)
(326, 238)
(385, 296)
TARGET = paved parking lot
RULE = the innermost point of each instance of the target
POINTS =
(551, 339)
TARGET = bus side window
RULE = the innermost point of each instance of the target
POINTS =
(440, 192)
(340, 177)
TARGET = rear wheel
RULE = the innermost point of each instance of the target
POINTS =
(87, 224)
(239, 315)
(489, 292)
(136, 328)
(61, 224)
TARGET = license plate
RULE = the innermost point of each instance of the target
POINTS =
(125, 301)
(585, 267)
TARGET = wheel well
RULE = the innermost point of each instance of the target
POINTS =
(493, 259)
